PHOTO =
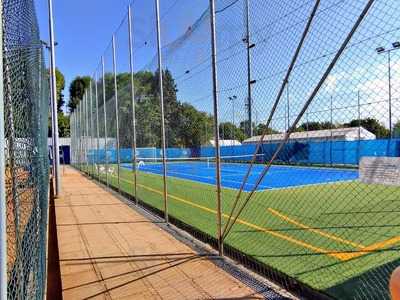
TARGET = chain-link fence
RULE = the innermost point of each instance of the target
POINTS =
(25, 98)
(277, 136)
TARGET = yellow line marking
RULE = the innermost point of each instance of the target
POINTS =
(341, 255)
(273, 233)
(317, 231)
(374, 247)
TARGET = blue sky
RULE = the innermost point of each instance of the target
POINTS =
(84, 28)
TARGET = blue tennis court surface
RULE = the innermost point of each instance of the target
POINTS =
(232, 174)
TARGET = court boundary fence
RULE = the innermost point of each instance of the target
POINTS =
(24, 163)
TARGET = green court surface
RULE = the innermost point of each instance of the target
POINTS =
(337, 238)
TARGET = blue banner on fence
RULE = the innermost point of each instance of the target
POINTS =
(321, 153)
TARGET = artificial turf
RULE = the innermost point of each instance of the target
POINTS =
(339, 238)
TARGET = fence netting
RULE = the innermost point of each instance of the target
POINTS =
(26, 102)
(308, 120)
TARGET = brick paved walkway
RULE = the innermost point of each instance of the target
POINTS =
(110, 251)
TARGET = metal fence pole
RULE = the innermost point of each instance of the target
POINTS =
(81, 108)
(74, 138)
(71, 133)
(97, 127)
(3, 208)
(133, 102)
(105, 115)
(331, 126)
(390, 93)
(81, 131)
(78, 127)
(359, 127)
(86, 132)
(91, 125)
(77, 134)
(160, 76)
(216, 124)
(56, 155)
(116, 110)
(249, 82)
(81, 134)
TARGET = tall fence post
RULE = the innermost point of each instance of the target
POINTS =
(359, 127)
(74, 137)
(80, 136)
(116, 109)
(133, 102)
(83, 131)
(97, 127)
(3, 208)
(81, 110)
(87, 131)
(91, 126)
(216, 124)
(71, 120)
(105, 116)
(56, 155)
(160, 78)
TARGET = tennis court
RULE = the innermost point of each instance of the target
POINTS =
(233, 173)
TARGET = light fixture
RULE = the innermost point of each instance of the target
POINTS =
(396, 44)
(380, 49)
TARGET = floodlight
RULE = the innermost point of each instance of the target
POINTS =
(396, 45)
(380, 49)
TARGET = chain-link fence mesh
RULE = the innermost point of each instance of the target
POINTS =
(308, 120)
(26, 102)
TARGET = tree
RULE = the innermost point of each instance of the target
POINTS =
(185, 125)
(314, 125)
(396, 130)
(229, 131)
(77, 90)
(63, 125)
(372, 125)
(60, 85)
(195, 127)
(262, 128)
(63, 121)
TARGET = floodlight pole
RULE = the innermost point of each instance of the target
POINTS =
(160, 74)
(216, 125)
(3, 209)
(381, 50)
(232, 99)
(133, 103)
(56, 154)
(249, 82)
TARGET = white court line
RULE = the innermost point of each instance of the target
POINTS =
(263, 187)
(208, 177)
